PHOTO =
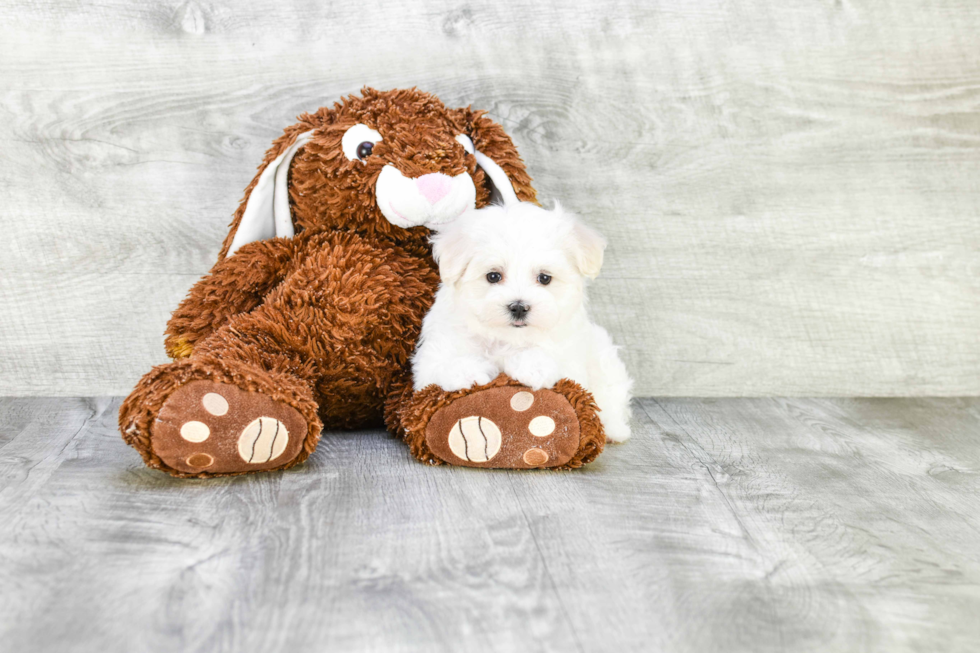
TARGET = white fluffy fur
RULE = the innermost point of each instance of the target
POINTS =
(470, 336)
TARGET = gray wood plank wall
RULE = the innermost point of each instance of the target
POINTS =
(790, 189)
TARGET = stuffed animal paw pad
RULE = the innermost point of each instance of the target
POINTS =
(505, 427)
(213, 428)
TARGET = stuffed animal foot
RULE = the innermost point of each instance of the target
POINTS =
(219, 429)
(211, 418)
(509, 427)
(504, 425)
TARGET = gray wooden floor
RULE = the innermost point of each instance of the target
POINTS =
(726, 524)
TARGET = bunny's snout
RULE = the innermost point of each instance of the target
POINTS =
(434, 186)
(427, 200)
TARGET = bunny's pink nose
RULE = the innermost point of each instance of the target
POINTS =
(434, 186)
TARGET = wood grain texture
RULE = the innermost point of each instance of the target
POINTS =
(726, 524)
(789, 189)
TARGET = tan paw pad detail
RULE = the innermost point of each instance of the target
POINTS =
(522, 401)
(535, 457)
(475, 439)
(541, 426)
(508, 427)
(195, 431)
(215, 404)
(200, 460)
(211, 428)
(264, 439)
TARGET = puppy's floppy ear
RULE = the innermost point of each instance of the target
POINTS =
(587, 245)
(266, 213)
(452, 249)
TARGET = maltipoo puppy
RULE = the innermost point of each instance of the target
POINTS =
(512, 299)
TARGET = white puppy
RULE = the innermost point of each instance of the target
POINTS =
(512, 299)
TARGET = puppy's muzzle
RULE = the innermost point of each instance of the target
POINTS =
(518, 312)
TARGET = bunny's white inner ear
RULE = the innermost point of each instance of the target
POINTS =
(267, 210)
(499, 178)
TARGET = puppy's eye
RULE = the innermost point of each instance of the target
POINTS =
(359, 141)
(494, 277)
(544, 279)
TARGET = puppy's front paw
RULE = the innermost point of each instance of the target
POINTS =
(617, 431)
(466, 372)
(533, 368)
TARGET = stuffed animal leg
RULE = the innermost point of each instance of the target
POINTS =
(325, 346)
(502, 424)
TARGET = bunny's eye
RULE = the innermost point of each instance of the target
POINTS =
(359, 141)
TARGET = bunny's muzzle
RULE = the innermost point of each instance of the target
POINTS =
(427, 200)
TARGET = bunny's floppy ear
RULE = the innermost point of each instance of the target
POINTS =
(267, 209)
(496, 155)
(501, 182)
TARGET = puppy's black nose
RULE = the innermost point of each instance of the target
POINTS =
(518, 309)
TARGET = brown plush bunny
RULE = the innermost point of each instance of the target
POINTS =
(313, 309)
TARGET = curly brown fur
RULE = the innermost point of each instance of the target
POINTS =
(213, 301)
(345, 321)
